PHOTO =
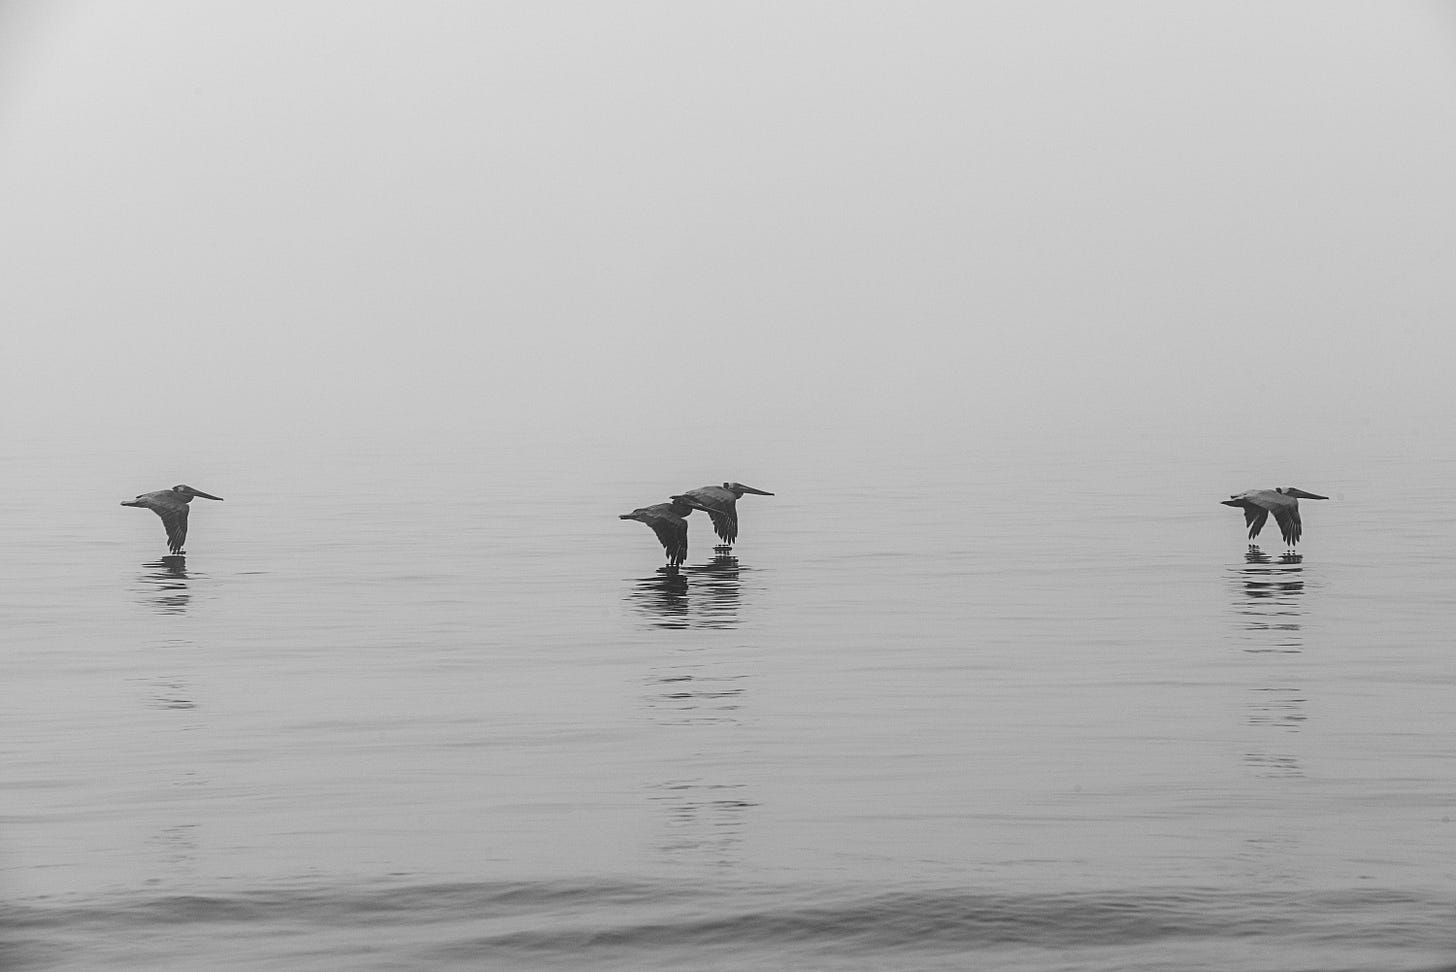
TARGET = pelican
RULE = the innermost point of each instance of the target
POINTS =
(171, 506)
(718, 502)
(1257, 504)
(669, 522)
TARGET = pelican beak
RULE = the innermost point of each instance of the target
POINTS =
(198, 492)
(1303, 495)
(756, 492)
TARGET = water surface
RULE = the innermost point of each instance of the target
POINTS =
(949, 702)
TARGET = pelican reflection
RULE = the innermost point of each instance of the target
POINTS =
(696, 695)
(704, 821)
(663, 597)
(1269, 602)
(698, 596)
(717, 591)
(1278, 706)
(172, 692)
(1269, 593)
(165, 583)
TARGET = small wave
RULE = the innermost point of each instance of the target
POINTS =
(605, 924)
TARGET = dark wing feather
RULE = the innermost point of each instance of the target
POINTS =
(1289, 525)
(718, 504)
(175, 520)
(1254, 518)
(725, 524)
(673, 532)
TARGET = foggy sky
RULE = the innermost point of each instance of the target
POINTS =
(827, 215)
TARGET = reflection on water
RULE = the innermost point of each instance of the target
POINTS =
(684, 697)
(1269, 594)
(702, 596)
(717, 590)
(1280, 706)
(1282, 765)
(663, 597)
(171, 692)
(165, 585)
(698, 696)
(704, 820)
(1268, 598)
(696, 692)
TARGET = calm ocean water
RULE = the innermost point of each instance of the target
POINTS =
(952, 703)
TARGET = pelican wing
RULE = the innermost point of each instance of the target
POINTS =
(174, 518)
(673, 532)
(1289, 525)
(671, 529)
(1254, 518)
(1256, 509)
(719, 504)
(725, 523)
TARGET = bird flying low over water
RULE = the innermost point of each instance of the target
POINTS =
(171, 506)
(669, 522)
(719, 503)
(1257, 504)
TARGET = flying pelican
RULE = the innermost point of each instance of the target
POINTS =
(1257, 504)
(669, 522)
(718, 502)
(171, 506)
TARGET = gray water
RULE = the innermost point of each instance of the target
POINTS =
(955, 701)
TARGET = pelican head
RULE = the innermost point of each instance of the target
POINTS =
(678, 506)
(187, 492)
(738, 489)
(1298, 493)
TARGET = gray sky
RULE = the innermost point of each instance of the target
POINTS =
(479, 215)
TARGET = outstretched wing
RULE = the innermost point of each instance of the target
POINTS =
(1289, 524)
(174, 518)
(718, 504)
(1254, 518)
(673, 532)
(725, 524)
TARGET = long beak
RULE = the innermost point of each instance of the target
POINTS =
(198, 492)
(1303, 495)
(758, 492)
